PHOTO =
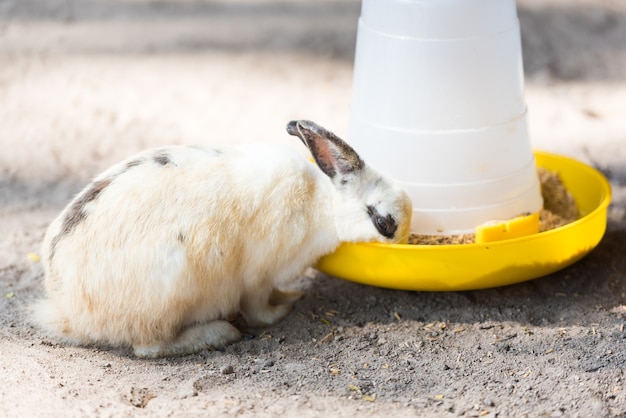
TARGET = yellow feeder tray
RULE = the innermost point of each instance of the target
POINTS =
(487, 264)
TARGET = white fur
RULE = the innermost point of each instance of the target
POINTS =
(166, 252)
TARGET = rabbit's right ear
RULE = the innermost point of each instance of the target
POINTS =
(334, 156)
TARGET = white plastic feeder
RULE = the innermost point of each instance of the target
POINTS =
(438, 104)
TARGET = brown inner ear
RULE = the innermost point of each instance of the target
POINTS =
(323, 154)
(332, 154)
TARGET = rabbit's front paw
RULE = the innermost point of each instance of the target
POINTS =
(279, 297)
(260, 314)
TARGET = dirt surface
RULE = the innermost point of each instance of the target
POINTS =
(84, 83)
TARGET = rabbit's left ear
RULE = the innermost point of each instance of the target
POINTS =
(334, 156)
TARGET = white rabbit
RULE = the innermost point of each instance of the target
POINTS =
(160, 250)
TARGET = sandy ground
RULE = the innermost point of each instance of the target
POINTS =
(84, 83)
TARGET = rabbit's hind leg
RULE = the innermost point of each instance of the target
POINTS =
(211, 335)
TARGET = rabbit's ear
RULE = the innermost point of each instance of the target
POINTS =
(334, 156)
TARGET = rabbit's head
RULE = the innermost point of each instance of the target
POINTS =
(367, 205)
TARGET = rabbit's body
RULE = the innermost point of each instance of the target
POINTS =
(161, 249)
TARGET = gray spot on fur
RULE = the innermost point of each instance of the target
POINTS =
(163, 159)
(76, 213)
(132, 164)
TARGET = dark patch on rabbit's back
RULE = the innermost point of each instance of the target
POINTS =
(131, 164)
(163, 158)
(160, 157)
(76, 213)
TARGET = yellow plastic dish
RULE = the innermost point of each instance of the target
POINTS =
(480, 266)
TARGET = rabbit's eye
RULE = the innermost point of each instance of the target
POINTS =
(385, 225)
(381, 223)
